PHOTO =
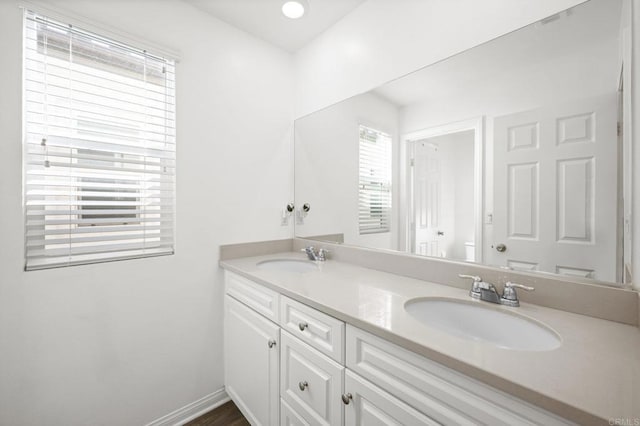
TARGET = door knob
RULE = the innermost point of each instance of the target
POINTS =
(346, 398)
(271, 342)
(501, 248)
(303, 385)
(302, 326)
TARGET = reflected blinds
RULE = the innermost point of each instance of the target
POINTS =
(374, 210)
(99, 147)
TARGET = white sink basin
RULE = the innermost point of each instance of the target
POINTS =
(473, 321)
(288, 265)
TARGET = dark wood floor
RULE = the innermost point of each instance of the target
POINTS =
(225, 415)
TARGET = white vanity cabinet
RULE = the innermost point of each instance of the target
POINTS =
(252, 350)
(292, 375)
(289, 364)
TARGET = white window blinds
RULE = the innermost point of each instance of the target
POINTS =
(374, 212)
(99, 147)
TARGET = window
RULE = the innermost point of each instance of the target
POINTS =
(99, 147)
(374, 211)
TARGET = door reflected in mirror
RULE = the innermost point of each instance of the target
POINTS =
(509, 154)
(443, 217)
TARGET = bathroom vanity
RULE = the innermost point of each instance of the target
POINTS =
(333, 343)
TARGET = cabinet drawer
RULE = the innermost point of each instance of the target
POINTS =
(256, 296)
(310, 382)
(288, 416)
(321, 331)
(371, 405)
(441, 393)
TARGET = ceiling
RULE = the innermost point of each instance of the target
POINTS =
(264, 18)
(520, 60)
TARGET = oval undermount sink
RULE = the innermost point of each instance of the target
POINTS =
(470, 320)
(288, 265)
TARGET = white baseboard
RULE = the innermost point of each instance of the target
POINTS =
(193, 410)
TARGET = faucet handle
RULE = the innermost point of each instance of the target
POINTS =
(475, 287)
(509, 295)
(322, 254)
(509, 284)
(475, 278)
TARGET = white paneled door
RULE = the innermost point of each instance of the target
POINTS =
(427, 199)
(555, 189)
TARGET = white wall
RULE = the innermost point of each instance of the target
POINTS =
(327, 168)
(125, 343)
(635, 131)
(384, 39)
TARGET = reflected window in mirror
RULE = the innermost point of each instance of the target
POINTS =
(374, 193)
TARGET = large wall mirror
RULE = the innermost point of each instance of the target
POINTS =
(509, 154)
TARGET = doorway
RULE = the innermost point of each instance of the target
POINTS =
(444, 191)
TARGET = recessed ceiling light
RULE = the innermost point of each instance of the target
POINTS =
(293, 9)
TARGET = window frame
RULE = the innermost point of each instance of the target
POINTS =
(166, 218)
(366, 224)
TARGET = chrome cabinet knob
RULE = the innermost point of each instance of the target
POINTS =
(501, 248)
(346, 398)
(302, 326)
(303, 385)
(271, 343)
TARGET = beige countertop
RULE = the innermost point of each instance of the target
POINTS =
(592, 378)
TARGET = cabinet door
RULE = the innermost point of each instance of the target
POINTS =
(310, 382)
(371, 406)
(289, 417)
(251, 348)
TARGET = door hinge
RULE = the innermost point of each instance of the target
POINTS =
(412, 162)
(619, 129)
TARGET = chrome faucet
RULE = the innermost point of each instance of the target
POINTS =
(312, 254)
(482, 290)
